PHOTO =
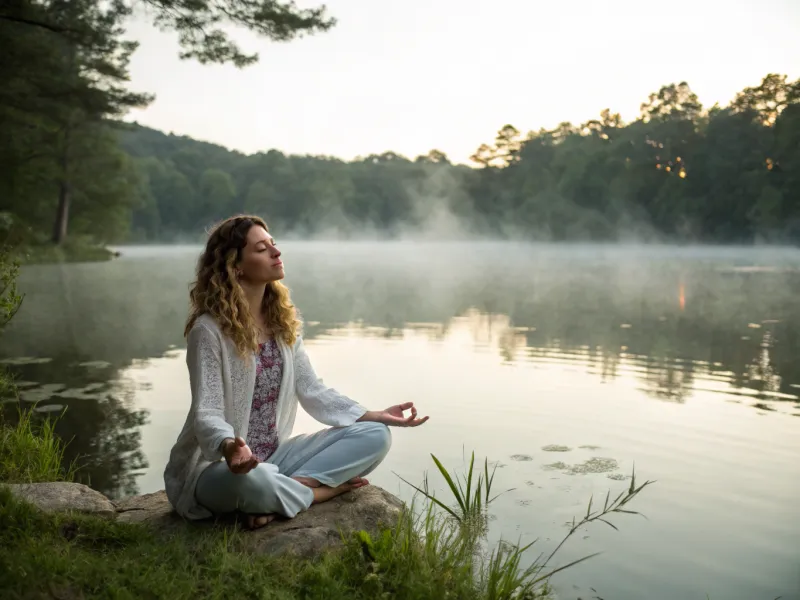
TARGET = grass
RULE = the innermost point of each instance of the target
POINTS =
(434, 551)
(499, 574)
(31, 452)
(65, 556)
(472, 491)
(8, 390)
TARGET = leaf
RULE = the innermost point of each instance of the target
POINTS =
(469, 477)
(609, 523)
(432, 498)
(449, 481)
(567, 566)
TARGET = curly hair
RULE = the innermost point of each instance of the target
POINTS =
(216, 290)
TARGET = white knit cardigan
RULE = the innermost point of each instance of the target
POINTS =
(222, 384)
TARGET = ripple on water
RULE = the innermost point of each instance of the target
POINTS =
(556, 448)
(589, 447)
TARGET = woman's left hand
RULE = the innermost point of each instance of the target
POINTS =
(394, 417)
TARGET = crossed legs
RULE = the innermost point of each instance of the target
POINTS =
(305, 470)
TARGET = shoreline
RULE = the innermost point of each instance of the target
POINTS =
(76, 252)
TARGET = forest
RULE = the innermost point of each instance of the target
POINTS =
(73, 168)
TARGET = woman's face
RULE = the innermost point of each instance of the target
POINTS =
(260, 262)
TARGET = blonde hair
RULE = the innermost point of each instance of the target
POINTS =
(216, 290)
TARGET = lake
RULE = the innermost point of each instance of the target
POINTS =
(565, 365)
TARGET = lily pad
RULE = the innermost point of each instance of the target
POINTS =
(592, 466)
(556, 466)
(556, 448)
(521, 457)
(40, 393)
(95, 364)
(25, 360)
(48, 408)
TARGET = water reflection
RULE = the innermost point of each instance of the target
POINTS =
(97, 416)
(664, 375)
(674, 324)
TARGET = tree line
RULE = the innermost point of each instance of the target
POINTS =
(71, 166)
(677, 173)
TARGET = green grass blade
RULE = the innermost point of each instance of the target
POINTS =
(469, 481)
(567, 566)
(450, 482)
(433, 499)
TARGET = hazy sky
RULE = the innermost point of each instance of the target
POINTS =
(420, 74)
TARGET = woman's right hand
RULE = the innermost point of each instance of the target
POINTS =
(238, 456)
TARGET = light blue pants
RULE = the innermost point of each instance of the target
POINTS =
(331, 456)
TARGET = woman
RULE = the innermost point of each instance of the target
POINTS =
(248, 369)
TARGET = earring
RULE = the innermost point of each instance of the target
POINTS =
(238, 273)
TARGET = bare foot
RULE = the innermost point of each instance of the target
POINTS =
(258, 521)
(308, 481)
(358, 482)
(324, 493)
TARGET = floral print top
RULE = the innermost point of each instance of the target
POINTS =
(262, 436)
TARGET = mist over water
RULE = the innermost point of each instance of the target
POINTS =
(564, 363)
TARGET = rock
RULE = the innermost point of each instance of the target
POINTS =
(309, 534)
(63, 496)
(151, 508)
(321, 527)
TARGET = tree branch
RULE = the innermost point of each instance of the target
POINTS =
(42, 24)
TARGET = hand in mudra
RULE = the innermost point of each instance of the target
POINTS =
(238, 456)
(394, 417)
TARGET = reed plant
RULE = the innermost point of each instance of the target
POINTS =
(455, 534)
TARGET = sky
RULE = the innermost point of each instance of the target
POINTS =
(447, 74)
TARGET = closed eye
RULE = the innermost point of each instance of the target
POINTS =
(264, 246)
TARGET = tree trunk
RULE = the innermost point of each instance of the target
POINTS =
(64, 187)
(62, 214)
(64, 196)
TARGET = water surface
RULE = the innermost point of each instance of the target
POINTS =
(564, 364)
